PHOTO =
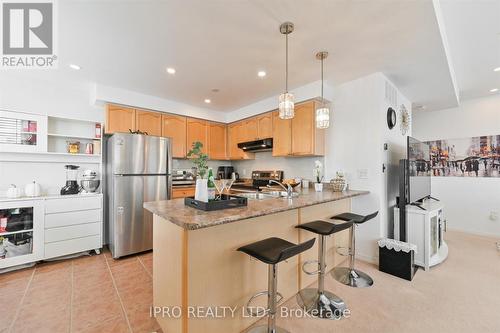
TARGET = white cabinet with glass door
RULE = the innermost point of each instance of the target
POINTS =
(21, 232)
(23, 132)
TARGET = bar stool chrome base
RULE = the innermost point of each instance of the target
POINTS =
(352, 277)
(325, 305)
(265, 329)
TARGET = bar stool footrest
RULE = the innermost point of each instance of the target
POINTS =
(262, 312)
(308, 262)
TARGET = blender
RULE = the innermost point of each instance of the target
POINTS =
(71, 186)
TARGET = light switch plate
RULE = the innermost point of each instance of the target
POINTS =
(362, 173)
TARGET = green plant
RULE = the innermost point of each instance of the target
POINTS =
(200, 158)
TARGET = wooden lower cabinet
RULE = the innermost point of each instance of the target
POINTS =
(217, 141)
(148, 122)
(119, 119)
(174, 127)
(182, 192)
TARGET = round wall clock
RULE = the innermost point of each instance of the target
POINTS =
(405, 122)
(391, 118)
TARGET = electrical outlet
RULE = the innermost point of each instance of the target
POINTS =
(494, 215)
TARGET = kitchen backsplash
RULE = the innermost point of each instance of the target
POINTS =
(293, 167)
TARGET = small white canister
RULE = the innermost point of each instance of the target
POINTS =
(305, 183)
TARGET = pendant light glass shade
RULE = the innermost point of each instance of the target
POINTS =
(286, 103)
(322, 111)
(286, 106)
(322, 116)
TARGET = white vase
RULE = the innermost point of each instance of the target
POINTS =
(201, 191)
(318, 187)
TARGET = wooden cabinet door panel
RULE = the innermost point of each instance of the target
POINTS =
(175, 127)
(197, 130)
(148, 122)
(182, 192)
(303, 128)
(217, 141)
(282, 136)
(250, 131)
(232, 140)
(265, 125)
(119, 119)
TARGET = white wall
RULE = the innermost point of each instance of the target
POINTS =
(34, 94)
(355, 141)
(468, 201)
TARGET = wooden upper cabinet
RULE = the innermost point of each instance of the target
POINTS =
(236, 134)
(282, 136)
(175, 127)
(119, 119)
(217, 141)
(197, 130)
(265, 125)
(148, 122)
(306, 138)
(250, 130)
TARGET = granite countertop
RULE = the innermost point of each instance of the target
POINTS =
(191, 219)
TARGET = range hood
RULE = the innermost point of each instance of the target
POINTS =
(258, 145)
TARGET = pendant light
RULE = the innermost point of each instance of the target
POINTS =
(322, 112)
(286, 105)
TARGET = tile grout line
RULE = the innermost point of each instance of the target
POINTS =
(72, 296)
(22, 301)
(119, 297)
(144, 266)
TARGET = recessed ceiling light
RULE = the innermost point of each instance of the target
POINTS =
(497, 69)
(494, 90)
(75, 67)
(261, 74)
(208, 101)
(170, 70)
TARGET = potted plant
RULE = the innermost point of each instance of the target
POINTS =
(200, 162)
(318, 169)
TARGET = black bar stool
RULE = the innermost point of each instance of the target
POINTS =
(349, 275)
(272, 251)
(317, 301)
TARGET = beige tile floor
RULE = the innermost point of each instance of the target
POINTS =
(87, 294)
(99, 294)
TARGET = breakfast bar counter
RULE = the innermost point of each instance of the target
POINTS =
(198, 273)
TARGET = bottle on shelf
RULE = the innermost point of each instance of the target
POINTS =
(211, 185)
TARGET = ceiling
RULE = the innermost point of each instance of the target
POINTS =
(473, 30)
(221, 44)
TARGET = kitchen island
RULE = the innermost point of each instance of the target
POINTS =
(201, 283)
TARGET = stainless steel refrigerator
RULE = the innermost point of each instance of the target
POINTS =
(138, 169)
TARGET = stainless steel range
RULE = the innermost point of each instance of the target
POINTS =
(260, 179)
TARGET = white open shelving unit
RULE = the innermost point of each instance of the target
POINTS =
(63, 130)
